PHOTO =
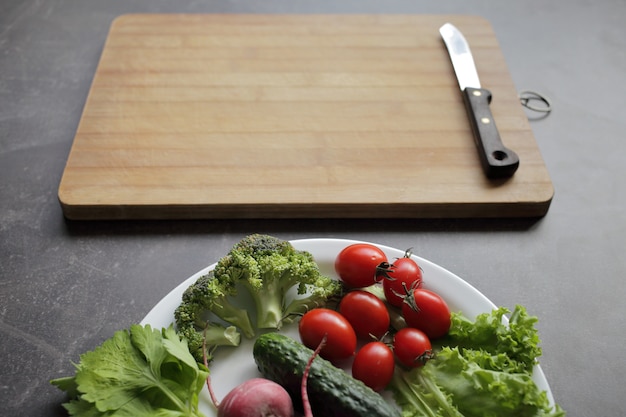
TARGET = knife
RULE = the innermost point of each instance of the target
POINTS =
(497, 160)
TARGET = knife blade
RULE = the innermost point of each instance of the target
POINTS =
(497, 160)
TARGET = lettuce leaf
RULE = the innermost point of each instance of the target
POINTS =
(137, 372)
(518, 339)
(482, 369)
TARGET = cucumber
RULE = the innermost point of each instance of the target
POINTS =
(332, 392)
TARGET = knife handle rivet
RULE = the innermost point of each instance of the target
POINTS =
(477, 93)
(500, 155)
(485, 120)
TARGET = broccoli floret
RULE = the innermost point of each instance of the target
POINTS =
(209, 295)
(269, 267)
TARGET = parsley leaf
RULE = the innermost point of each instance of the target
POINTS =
(137, 372)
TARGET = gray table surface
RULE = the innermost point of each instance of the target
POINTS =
(65, 287)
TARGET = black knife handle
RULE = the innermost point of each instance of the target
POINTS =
(497, 160)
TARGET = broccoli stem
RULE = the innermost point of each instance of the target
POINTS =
(299, 306)
(219, 336)
(235, 316)
(268, 302)
(216, 335)
(269, 313)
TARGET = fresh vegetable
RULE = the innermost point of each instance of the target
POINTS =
(340, 336)
(210, 293)
(366, 313)
(427, 311)
(268, 268)
(361, 265)
(374, 365)
(480, 376)
(260, 397)
(517, 339)
(396, 320)
(256, 397)
(137, 372)
(404, 275)
(332, 392)
(412, 347)
(304, 393)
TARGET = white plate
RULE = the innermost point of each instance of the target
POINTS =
(232, 366)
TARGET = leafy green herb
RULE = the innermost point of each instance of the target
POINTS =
(483, 369)
(137, 372)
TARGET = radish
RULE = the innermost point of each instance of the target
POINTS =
(260, 397)
(257, 397)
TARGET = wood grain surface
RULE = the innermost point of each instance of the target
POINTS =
(279, 116)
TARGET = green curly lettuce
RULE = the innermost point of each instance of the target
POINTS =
(518, 339)
(482, 369)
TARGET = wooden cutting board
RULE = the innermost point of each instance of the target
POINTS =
(288, 116)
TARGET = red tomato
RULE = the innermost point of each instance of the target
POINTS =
(405, 275)
(366, 313)
(360, 264)
(412, 347)
(341, 339)
(374, 365)
(427, 311)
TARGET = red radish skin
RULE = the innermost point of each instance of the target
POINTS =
(257, 397)
(305, 376)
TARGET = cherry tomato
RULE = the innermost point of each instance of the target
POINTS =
(341, 339)
(412, 347)
(427, 311)
(374, 365)
(366, 313)
(359, 265)
(404, 275)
